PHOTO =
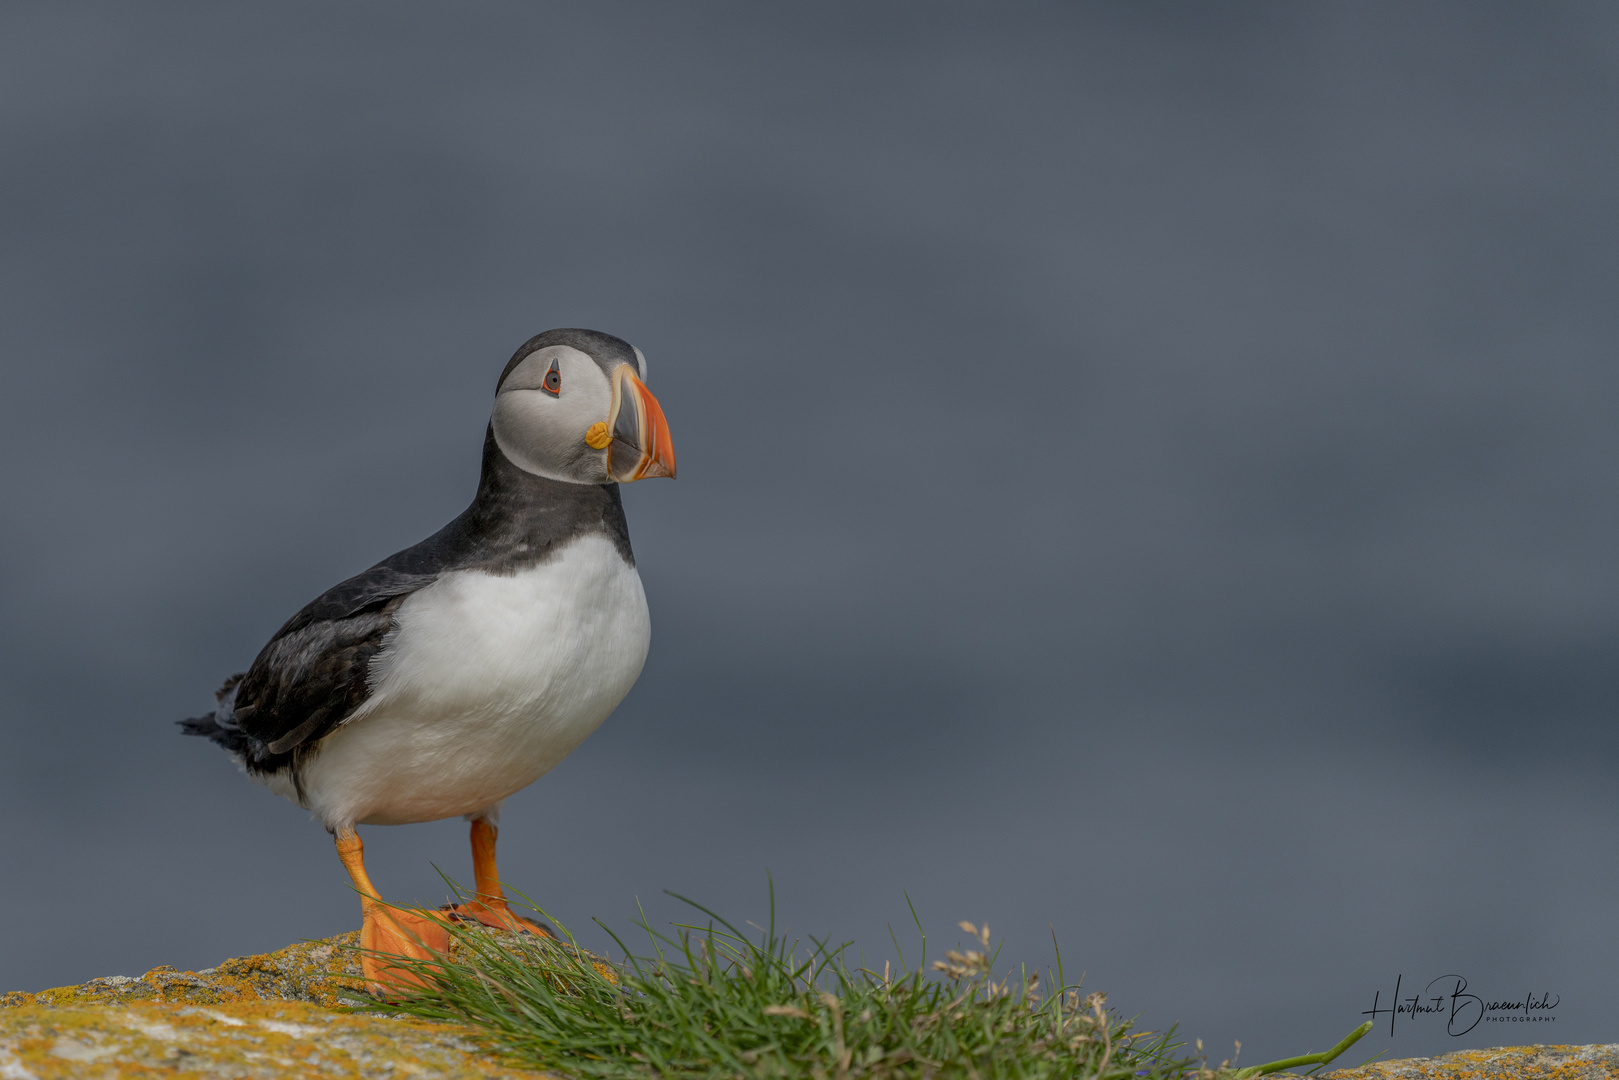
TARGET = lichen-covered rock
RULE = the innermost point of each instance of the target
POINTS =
(1498, 1063)
(281, 1014)
(242, 1040)
(318, 972)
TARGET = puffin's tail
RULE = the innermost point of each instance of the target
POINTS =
(220, 725)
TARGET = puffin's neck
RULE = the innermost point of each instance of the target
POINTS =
(518, 508)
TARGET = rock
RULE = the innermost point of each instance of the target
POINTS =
(240, 1040)
(278, 1015)
(1498, 1063)
(317, 972)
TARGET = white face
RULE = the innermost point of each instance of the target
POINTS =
(543, 432)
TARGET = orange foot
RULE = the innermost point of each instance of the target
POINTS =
(410, 935)
(406, 934)
(488, 904)
(495, 913)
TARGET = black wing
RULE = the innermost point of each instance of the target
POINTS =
(312, 674)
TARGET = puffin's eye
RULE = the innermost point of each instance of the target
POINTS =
(553, 380)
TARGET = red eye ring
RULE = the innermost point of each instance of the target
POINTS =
(553, 381)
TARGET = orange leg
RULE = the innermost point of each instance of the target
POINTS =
(388, 929)
(489, 905)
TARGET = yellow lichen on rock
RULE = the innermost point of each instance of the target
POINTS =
(279, 1014)
(243, 1039)
(318, 972)
(1600, 1062)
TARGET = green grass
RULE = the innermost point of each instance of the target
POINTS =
(709, 1000)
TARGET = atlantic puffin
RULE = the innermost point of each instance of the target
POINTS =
(459, 671)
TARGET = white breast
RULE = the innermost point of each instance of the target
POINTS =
(487, 683)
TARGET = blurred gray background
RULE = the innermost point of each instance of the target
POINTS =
(1148, 472)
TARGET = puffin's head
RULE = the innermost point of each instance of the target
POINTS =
(572, 405)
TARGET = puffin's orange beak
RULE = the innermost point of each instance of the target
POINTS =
(641, 446)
